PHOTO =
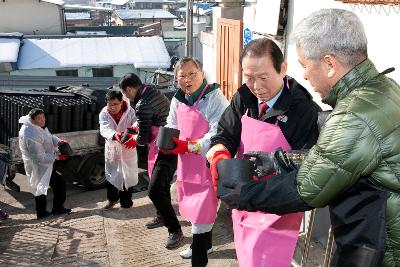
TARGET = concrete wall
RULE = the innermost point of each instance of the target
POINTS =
(208, 40)
(209, 60)
(30, 17)
(380, 24)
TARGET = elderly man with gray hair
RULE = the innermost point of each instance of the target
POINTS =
(354, 168)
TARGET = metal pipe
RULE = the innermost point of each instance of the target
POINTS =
(329, 248)
(189, 28)
(308, 238)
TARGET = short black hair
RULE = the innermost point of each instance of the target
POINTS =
(260, 47)
(113, 94)
(130, 79)
(34, 112)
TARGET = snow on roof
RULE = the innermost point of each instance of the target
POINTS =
(9, 48)
(119, 2)
(144, 14)
(77, 16)
(57, 2)
(79, 7)
(142, 52)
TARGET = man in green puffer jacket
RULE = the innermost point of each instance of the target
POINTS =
(355, 166)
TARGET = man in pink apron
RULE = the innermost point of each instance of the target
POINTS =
(195, 111)
(270, 110)
(152, 109)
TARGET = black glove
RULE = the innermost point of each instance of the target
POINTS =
(264, 162)
(284, 163)
(233, 189)
(278, 162)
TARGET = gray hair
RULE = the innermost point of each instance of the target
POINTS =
(336, 32)
(184, 60)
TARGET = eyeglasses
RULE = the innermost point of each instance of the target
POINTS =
(190, 76)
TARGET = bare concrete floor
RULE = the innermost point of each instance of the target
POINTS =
(90, 236)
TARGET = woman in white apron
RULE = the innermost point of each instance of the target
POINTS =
(38, 148)
(120, 161)
(195, 111)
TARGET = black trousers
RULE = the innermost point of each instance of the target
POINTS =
(124, 197)
(159, 189)
(200, 244)
(57, 183)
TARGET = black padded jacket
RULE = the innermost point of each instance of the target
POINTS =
(152, 108)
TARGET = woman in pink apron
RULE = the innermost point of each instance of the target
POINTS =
(152, 108)
(270, 110)
(195, 111)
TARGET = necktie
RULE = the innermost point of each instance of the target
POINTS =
(263, 109)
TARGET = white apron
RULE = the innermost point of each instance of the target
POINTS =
(121, 168)
(38, 148)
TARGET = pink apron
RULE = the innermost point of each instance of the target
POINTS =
(153, 151)
(262, 239)
(197, 200)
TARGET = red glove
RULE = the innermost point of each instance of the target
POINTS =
(62, 157)
(62, 142)
(218, 156)
(118, 136)
(131, 143)
(135, 128)
(181, 146)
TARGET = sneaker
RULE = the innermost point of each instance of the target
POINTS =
(110, 205)
(187, 253)
(174, 239)
(60, 211)
(156, 222)
(3, 215)
(42, 215)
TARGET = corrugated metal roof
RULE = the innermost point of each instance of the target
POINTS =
(142, 52)
(9, 48)
(77, 16)
(144, 14)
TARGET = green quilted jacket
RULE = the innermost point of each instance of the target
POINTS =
(361, 137)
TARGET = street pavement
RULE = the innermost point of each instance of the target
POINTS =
(91, 236)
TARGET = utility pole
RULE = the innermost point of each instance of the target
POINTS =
(189, 28)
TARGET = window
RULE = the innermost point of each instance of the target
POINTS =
(73, 73)
(103, 72)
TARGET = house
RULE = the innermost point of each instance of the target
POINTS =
(77, 19)
(9, 47)
(32, 16)
(143, 17)
(86, 57)
(117, 4)
(202, 12)
(149, 4)
(78, 16)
